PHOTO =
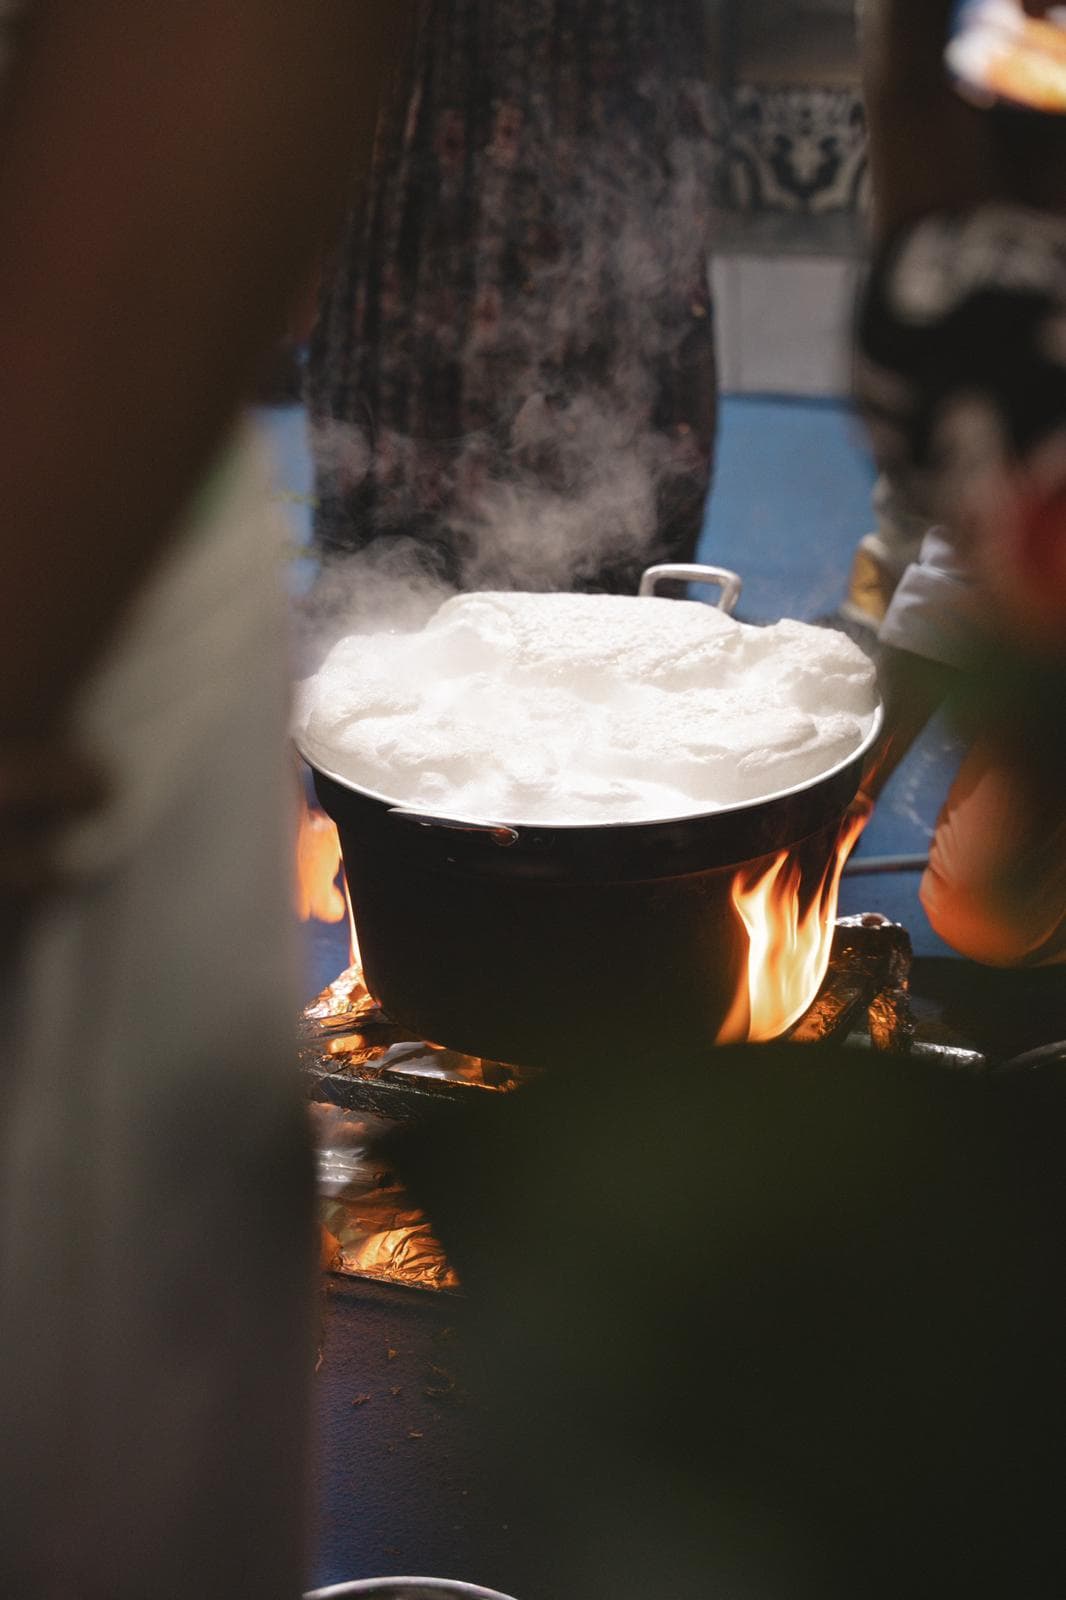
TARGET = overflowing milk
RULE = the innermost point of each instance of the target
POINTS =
(571, 708)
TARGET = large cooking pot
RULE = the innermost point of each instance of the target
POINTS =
(534, 944)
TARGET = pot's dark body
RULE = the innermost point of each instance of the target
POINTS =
(566, 940)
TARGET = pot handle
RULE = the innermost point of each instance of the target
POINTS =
(693, 572)
(499, 834)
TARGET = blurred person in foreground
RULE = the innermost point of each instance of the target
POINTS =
(167, 174)
(961, 374)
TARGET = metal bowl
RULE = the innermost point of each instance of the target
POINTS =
(407, 1589)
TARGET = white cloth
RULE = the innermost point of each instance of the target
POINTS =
(155, 1198)
(936, 608)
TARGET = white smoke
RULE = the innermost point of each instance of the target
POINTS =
(599, 510)
(386, 588)
(574, 474)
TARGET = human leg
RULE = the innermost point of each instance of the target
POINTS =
(995, 888)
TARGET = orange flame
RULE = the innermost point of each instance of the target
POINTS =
(354, 959)
(319, 896)
(788, 945)
(318, 862)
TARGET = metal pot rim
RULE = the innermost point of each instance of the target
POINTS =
(391, 803)
(383, 1586)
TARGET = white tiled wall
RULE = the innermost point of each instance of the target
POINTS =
(783, 323)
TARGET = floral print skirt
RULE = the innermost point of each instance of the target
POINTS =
(512, 376)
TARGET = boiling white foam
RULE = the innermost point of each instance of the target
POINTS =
(571, 708)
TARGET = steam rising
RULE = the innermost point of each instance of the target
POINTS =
(523, 533)
(587, 392)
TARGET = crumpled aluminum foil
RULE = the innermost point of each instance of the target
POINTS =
(375, 1229)
(372, 1227)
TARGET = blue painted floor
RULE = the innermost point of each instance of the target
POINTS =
(791, 497)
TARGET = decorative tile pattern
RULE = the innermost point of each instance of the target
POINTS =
(799, 149)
